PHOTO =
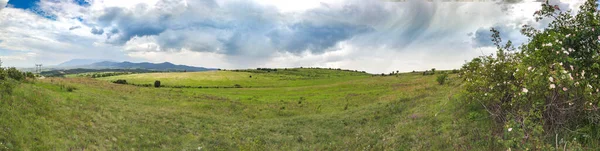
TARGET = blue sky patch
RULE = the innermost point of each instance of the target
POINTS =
(23, 4)
(82, 2)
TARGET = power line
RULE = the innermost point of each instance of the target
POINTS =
(38, 68)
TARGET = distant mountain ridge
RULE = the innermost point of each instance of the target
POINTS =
(79, 62)
(165, 66)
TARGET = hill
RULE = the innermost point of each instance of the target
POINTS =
(346, 111)
(99, 64)
(165, 66)
(78, 62)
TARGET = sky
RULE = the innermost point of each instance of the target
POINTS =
(377, 36)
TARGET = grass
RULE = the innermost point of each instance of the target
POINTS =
(281, 78)
(306, 112)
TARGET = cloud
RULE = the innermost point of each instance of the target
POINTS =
(3, 4)
(97, 31)
(483, 36)
(376, 36)
(74, 27)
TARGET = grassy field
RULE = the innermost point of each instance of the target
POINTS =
(281, 78)
(307, 109)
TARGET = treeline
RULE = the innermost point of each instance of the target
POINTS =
(263, 70)
(426, 72)
(157, 84)
(102, 74)
(62, 73)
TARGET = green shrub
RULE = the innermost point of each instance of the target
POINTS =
(120, 81)
(30, 75)
(156, 84)
(7, 86)
(13, 73)
(3, 74)
(442, 78)
(548, 88)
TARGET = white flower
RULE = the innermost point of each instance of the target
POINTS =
(565, 89)
(590, 86)
(561, 64)
(525, 90)
(571, 76)
(571, 50)
(582, 72)
(576, 83)
(552, 86)
(572, 67)
(509, 129)
(566, 52)
(529, 68)
(570, 103)
(551, 79)
(568, 35)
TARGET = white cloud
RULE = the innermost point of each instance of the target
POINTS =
(3, 4)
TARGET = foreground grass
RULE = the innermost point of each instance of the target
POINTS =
(359, 112)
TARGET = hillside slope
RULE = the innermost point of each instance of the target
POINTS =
(410, 111)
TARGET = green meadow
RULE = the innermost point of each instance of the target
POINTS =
(293, 109)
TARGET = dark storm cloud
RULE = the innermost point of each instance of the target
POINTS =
(244, 27)
(483, 36)
(306, 36)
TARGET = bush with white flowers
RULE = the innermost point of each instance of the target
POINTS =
(546, 89)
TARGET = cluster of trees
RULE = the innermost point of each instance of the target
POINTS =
(104, 74)
(546, 95)
(62, 73)
(262, 70)
(10, 77)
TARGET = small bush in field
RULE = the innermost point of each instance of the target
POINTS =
(120, 81)
(29, 75)
(156, 84)
(70, 88)
(441, 78)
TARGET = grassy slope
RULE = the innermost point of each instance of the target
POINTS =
(406, 112)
